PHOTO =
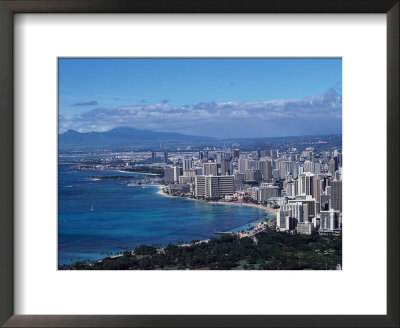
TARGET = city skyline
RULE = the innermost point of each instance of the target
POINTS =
(287, 191)
(220, 98)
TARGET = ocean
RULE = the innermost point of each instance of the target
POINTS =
(101, 216)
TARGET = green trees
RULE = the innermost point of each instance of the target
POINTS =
(274, 251)
(145, 250)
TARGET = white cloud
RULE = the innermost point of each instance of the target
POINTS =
(207, 117)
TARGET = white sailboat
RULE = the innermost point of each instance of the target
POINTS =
(91, 208)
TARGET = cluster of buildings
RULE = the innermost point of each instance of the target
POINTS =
(305, 186)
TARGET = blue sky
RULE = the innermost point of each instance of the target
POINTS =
(216, 97)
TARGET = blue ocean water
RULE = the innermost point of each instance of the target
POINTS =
(127, 216)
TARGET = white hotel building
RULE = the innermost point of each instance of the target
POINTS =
(210, 186)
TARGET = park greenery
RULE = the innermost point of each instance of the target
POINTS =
(266, 251)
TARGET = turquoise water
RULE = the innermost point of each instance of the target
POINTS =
(127, 216)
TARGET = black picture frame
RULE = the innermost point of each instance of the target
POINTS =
(10, 7)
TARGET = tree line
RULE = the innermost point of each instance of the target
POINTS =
(268, 251)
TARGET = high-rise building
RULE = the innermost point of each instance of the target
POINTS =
(284, 220)
(219, 157)
(253, 193)
(253, 175)
(305, 228)
(236, 153)
(153, 157)
(329, 220)
(280, 219)
(309, 166)
(332, 166)
(200, 186)
(317, 192)
(177, 173)
(275, 174)
(169, 175)
(325, 201)
(300, 170)
(274, 153)
(199, 170)
(317, 168)
(240, 176)
(214, 186)
(251, 164)
(265, 193)
(309, 206)
(336, 195)
(340, 159)
(295, 172)
(183, 179)
(165, 157)
(290, 189)
(328, 190)
(308, 154)
(306, 184)
(226, 167)
(296, 209)
(189, 173)
(242, 165)
(286, 168)
(210, 169)
(187, 163)
(226, 185)
(266, 170)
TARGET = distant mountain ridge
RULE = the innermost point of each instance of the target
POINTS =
(123, 137)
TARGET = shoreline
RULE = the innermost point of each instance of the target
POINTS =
(270, 210)
(249, 232)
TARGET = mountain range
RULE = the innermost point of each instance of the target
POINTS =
(123, 137)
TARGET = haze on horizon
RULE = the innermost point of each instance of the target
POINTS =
(223, 98)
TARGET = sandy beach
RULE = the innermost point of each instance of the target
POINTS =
(162, 193)
(237, 203)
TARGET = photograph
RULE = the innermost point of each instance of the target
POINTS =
(199, 163)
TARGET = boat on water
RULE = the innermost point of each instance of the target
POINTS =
(91, 208)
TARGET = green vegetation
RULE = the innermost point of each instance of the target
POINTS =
(271, 251)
